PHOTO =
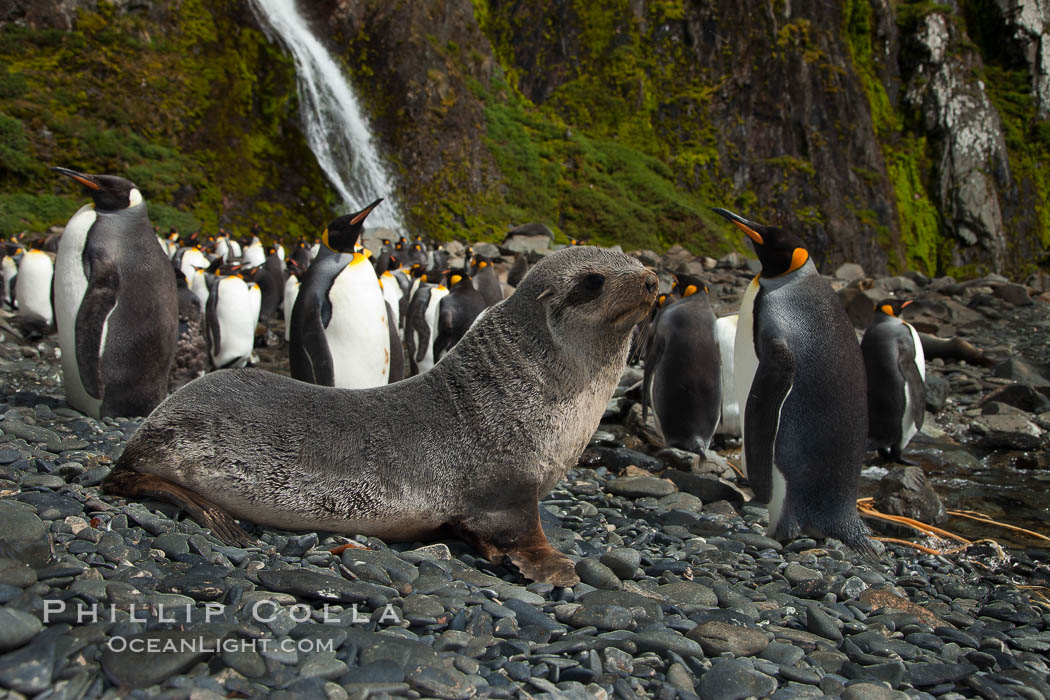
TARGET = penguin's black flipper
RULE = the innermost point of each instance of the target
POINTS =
(98, 301)
(772, 382)
(652, 360)
(397, 352)
(446, 333)
(315, 344)
(913, 382)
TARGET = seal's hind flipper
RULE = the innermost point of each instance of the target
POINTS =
(518, 536)
(123, 482)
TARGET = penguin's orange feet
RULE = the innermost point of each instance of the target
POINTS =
(124, 482)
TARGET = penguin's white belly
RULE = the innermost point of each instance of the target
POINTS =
(236, 310)
(392, 295)
(431, 316)
(357, 334)
(725, 334)
(291, 293)
(33, 287)
(254, 255)
(70, 286)
(199, 286)
(745, 360)
(908, 427)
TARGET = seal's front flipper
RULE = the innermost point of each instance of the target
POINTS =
(123, 482)
(518, 536)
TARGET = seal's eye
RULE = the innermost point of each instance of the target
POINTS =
(593, 282)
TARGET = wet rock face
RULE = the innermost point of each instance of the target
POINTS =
(1029, 21)
(966, 136)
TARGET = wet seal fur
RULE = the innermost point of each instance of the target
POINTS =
(471, 445)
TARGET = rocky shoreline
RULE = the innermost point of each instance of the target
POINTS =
(681, 594)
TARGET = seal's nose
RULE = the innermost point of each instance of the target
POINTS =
(652, 284)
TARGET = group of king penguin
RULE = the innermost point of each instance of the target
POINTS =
(136, 319)
(786, 374)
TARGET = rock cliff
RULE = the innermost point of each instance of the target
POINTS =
(898, 134)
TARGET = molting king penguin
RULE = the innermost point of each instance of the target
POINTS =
(896, 370)
(340, 333)
(683, 381)
(116, 304)
(802, 393)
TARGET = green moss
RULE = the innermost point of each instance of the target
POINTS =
(28, 212)
(197, 110)
(903, 150)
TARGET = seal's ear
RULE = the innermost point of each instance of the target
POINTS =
(545, 293)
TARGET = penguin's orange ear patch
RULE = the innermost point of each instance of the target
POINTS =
(690, 290)
(887, 309)
(455, 279)
(798, 258)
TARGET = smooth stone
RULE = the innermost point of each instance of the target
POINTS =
(247, 662)
(663, 641)
(172, 545)
(594, 573)
(717, 637)
(688, 596)
(819, 622)
(643, 609)
(324, 666)
(17, 628)
(324, 587)
(871, 691)
(796, 574)
(16, 573)
(707, 487)
(926, 674)
(29, 669)
(735, 679)
(623, 562)
(24, 536)
(51, 506)
(603, 616)
(757, 541)
(399, 570)
(639, 487)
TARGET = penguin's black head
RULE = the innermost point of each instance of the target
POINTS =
(109, 192)
(686, 285)
(458, 277)
(343, 231)
(778, 250)
(892, 307)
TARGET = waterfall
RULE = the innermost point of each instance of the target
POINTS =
(335, 128)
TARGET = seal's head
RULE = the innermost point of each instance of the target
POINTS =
(589, 299)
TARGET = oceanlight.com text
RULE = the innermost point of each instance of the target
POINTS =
(139, 645)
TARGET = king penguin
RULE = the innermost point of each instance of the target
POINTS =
(33, 292)
(802, 393)
(682, 380)
(232, 312)
(457, 312)
(116, 305)
(340, 333)
(896, 370)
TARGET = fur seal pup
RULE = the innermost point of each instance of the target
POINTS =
(471, 445)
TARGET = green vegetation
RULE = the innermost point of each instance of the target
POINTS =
(1009, 86)
(903, 149)
(202, 126)
(622, 151)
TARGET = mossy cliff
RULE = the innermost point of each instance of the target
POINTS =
(896, 133)
(185, 99)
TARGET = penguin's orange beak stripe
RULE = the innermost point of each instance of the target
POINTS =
(751, 233)
(86, 183)
(365, 212)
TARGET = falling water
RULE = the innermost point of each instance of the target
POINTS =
(335, 128)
